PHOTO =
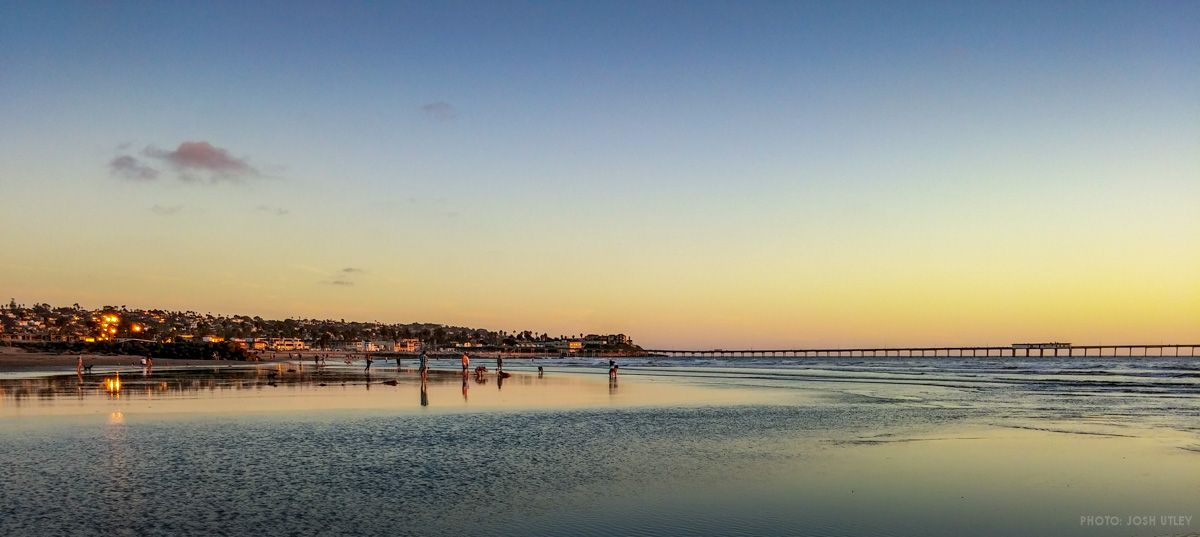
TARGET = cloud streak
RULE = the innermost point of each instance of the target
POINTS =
(278, 211)
(343, 277)
(440, 110)
(204, 157)
(132, 169)
(192, 162)
(174, 209)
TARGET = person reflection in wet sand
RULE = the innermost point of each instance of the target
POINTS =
(424, 393)
(464, 387)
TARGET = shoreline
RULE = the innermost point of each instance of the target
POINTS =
(20, 361)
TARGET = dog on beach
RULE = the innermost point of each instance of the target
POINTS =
(87, 369)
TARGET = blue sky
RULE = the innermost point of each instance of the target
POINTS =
(691, 173)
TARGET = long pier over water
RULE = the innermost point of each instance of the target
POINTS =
(1020, 350)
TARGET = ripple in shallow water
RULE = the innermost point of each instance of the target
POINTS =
(419, 475)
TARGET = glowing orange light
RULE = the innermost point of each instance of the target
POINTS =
(113, 384)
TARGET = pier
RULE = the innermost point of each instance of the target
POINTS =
(1012, 351)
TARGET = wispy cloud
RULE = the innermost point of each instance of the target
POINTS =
(343, 277)
(280, 211)
(440, 110)
(127, 167)
(191, 162)
(203, 157)
(160, 209)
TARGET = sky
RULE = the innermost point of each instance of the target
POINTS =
(693, 174)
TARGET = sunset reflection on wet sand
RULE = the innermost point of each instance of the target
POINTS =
(571, 452)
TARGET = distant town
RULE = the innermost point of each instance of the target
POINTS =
(74, 324)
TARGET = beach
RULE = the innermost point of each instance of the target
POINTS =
(835, 447)
(17, 360)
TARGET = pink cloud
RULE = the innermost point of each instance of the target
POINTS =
(191, 162)
(205, 157)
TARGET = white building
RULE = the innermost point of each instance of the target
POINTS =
(354, 346)
(286, 344)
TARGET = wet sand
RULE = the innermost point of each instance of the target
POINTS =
(215, 387)
(16, 360)
(574, 453)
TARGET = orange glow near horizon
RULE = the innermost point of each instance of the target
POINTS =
(747, 295)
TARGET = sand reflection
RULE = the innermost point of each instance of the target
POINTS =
(291, 387)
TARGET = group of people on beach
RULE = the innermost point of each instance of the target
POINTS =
(613, 366)
(423, 365)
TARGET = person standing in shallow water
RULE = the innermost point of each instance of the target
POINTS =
(368, 363)
(499, 363)
(466, 361)
(424, 366)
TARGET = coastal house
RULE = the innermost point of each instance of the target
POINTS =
(566, 345)
(385, 346)
(250, 343)
(286, 344)
(354, 346)
(611, 339)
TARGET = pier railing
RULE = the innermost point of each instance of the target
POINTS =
(981, 352)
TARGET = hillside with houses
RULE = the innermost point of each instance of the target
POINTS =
(67, 324)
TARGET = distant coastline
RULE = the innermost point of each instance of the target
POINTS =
(192, 335)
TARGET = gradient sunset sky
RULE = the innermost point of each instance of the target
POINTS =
(693, 174)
